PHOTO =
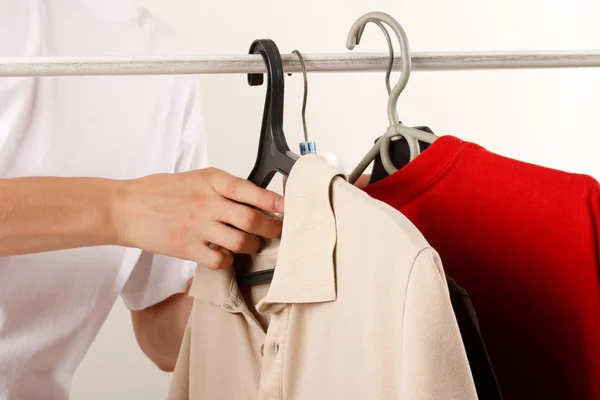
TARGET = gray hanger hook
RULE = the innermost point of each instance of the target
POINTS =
(305, 98)
(395, 128)
(388, 73)
(354, 38)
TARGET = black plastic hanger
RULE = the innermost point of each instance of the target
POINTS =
(274, 154)
(399, 155)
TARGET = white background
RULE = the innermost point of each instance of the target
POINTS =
(548, 117)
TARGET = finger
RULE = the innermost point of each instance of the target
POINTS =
(219, 248)
(246, 192)
(211, 258)
(232, 239)
(250, 220)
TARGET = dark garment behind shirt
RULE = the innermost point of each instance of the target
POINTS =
(399, 153)
(479, 361)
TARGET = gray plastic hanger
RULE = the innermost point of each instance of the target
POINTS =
(395, 129)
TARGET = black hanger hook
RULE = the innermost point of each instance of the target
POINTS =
(274, 155)
(275, 79)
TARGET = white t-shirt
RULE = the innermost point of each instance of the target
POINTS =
(52, 305)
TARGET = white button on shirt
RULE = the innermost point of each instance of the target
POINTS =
(52, 305)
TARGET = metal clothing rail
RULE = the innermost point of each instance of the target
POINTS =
(243, 64)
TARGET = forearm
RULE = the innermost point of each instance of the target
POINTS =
(159, 329)
(40, 214)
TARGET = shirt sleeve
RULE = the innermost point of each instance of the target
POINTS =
(154, 277)
(434, 361)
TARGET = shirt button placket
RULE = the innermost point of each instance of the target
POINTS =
(273, 351)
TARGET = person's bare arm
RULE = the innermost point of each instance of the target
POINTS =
(42, 213)
(159, 329)
(178, 215)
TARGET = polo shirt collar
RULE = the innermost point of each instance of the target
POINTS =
(305, 270)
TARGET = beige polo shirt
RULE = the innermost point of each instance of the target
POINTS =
(358, 309)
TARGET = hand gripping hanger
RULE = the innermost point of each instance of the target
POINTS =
(395, 128)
